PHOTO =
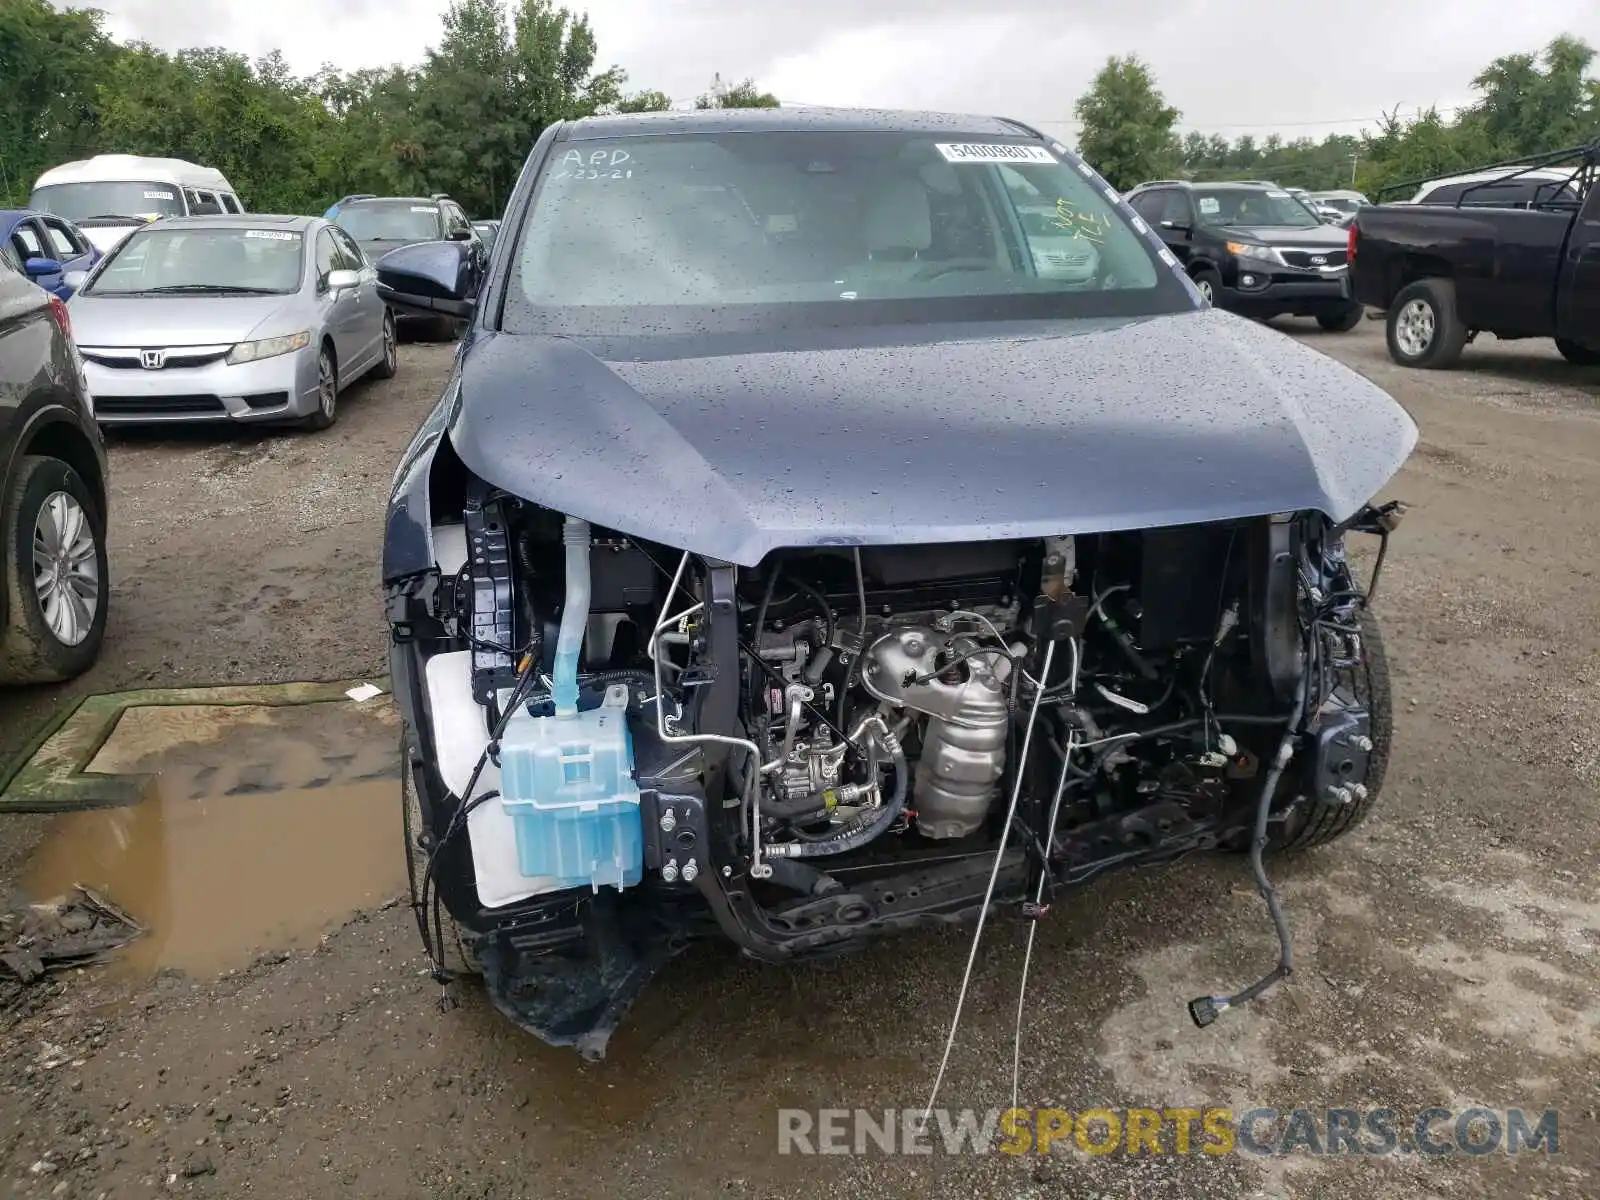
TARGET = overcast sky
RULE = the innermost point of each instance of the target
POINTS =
(1230, 66)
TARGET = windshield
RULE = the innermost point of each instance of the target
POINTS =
(689, 223)
(1263, 207)
(86, 201)
(393, 222)
(221, 261)
(1338, 202)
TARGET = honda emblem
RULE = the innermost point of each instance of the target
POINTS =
(152, 360)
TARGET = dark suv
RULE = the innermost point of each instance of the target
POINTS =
(53, 581)
(1254, 249)
(381, 224)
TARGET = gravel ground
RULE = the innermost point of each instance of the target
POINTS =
(1447, 951)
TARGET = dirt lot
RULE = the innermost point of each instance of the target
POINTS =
(1448, 952)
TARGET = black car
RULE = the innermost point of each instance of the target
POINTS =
(381, 224)
(1514, 252)
(1254, 249)
(53, 580)
(487, 230)
(837, 522)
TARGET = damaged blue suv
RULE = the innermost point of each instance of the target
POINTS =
(839, 522)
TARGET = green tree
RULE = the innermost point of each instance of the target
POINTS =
(1534, 103)
(736, 95)
(49, 110)
(645, 102)
(491, 86)
(1128, 128)
(369, 142)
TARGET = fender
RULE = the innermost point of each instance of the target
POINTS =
(52, 413)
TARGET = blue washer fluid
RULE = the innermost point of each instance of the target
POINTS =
(567, 785)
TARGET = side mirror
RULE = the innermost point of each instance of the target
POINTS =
(429, 277)
(36, 267)
(1176, 227)
(461, 235)
(73, 280)
(339, 281)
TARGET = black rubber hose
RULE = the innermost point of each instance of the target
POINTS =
(821, 602)
(862, 832)
(798, 877)
(1205, 1009)
(795, 807)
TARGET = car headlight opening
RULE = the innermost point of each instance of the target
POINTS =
(288, 343)
(1265, 254)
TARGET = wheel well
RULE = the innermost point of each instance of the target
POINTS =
(58, 439)
(1406, 269)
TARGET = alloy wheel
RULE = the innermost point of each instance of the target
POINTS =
(327, 386)
(1414, 328)
(66, 568)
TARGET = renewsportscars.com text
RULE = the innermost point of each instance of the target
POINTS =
(1176, 1131)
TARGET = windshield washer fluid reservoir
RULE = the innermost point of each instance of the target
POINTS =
(567, 784)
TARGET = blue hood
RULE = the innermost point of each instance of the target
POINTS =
(918, 434)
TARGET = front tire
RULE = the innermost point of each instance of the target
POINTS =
(1424, 330)
(327, 411)
(1209, 284)
(1343, 320)
(1577, 353)
(389, 362)
(1318, 825)
(457, 954)
(53, 554)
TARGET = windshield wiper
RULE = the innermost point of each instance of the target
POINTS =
(212, 288)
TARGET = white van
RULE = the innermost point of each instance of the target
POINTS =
(110, 195)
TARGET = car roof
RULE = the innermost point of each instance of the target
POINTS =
(791, 120)
(239, 221)
(366, 200)
(1537, 175)
(133, 168)
(1255, 184)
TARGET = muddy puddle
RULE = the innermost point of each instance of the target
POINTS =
(260, 829)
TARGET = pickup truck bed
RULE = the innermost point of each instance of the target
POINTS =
(1443, 274)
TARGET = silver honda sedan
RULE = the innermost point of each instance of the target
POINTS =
(231, 318)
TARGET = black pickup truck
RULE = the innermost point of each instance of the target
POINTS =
(1443, 272)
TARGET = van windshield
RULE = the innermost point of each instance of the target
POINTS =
(805, 225)
(86, 201)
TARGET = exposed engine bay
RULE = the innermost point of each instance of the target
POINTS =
(849, 740)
